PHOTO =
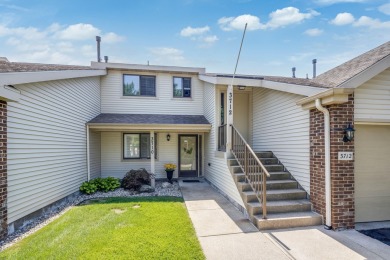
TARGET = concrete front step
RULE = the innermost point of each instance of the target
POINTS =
(264, 154)
(271, 185)
(287, 220)
(267, 161)
(239, 176)
(274, 167)
(281, 206)
(274, 195)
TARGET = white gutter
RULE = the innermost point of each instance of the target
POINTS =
(88, 162)
(327, 163)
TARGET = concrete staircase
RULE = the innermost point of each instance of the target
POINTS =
(287, 204)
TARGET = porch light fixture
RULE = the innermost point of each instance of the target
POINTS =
(348, 133)
(168, 137)
(240, 87)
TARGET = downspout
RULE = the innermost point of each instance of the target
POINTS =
(328, 207)
(88, 162)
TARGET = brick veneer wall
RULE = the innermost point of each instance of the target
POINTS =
(342, 172)
(3, 169)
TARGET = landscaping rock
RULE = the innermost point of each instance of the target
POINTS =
(146, 188)
(166, 185)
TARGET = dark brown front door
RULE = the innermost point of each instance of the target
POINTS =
(188, 156)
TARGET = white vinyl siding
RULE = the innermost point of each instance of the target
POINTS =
(94, 153)
(113, 165)
(372, 99)
(47, 142)
(217, 172)
(280, 126)
(113, 100)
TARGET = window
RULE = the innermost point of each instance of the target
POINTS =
(137, 146)
(181, 87)
(139, 85)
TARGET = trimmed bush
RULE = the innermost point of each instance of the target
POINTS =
(134, 179)
(100, 184)
(88, 187)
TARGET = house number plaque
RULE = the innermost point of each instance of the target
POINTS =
(152, 145)
(230, 103)
(345, 156)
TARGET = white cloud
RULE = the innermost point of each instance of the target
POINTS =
(162, 54)
(79, 31)
(54, 44)
(279, 18)
(210, 39)
(331, 2)
(385, 8)
(112, 38)
(190, 31)
(287, 16)
(343, 19)
(363, 21)
(313, 32)
(238, 23)
(371, 23)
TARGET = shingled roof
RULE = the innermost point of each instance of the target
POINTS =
(346, 71)
(146, 119)
(7, 66)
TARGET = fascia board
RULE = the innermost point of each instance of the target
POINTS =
(14, 78)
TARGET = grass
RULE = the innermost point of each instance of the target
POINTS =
(115, 228)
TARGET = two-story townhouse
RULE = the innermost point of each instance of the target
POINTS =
(62, 125)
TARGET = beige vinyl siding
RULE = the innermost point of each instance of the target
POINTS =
(113, 165)
(47, 142)
(113, 100)
(280, 126)
(94, 153)
(217, 172)
(372, 178)
(372, 99)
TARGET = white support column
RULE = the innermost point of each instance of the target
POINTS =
(152, 152)
(88, 157)
(229, 119)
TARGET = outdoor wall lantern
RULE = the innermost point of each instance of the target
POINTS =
(168, 137)
(240, 87)
(349, 133)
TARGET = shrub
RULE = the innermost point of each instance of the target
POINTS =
(88, 187)
(134, 179)
(100, 184)
(106, 184)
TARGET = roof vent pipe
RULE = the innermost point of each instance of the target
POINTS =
(105, 59)
(293, 71)
(98, 40)
(314, 68)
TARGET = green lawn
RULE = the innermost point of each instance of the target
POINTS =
(115, 228)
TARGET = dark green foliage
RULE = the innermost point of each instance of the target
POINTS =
(88, 187)
(134, 179)
(100, 184)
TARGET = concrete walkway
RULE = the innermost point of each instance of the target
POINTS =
(225, 233)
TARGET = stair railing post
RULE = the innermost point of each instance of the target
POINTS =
(245, 163)
(264, 204)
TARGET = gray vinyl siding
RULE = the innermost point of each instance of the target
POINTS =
(113, 165)
(372, 99)
(47, 142)
(113, 100)
(280, 126)
(95, 154)
(217, 172)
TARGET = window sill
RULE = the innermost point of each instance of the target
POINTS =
(138, 160)
(139, 97)
(183, 98)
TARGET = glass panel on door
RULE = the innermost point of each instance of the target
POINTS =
(188, 161)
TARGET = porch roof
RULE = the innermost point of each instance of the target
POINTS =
(150, 121)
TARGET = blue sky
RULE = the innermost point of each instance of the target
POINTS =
(198, 33)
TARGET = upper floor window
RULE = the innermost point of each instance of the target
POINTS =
(181, 87)
(139, 85)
